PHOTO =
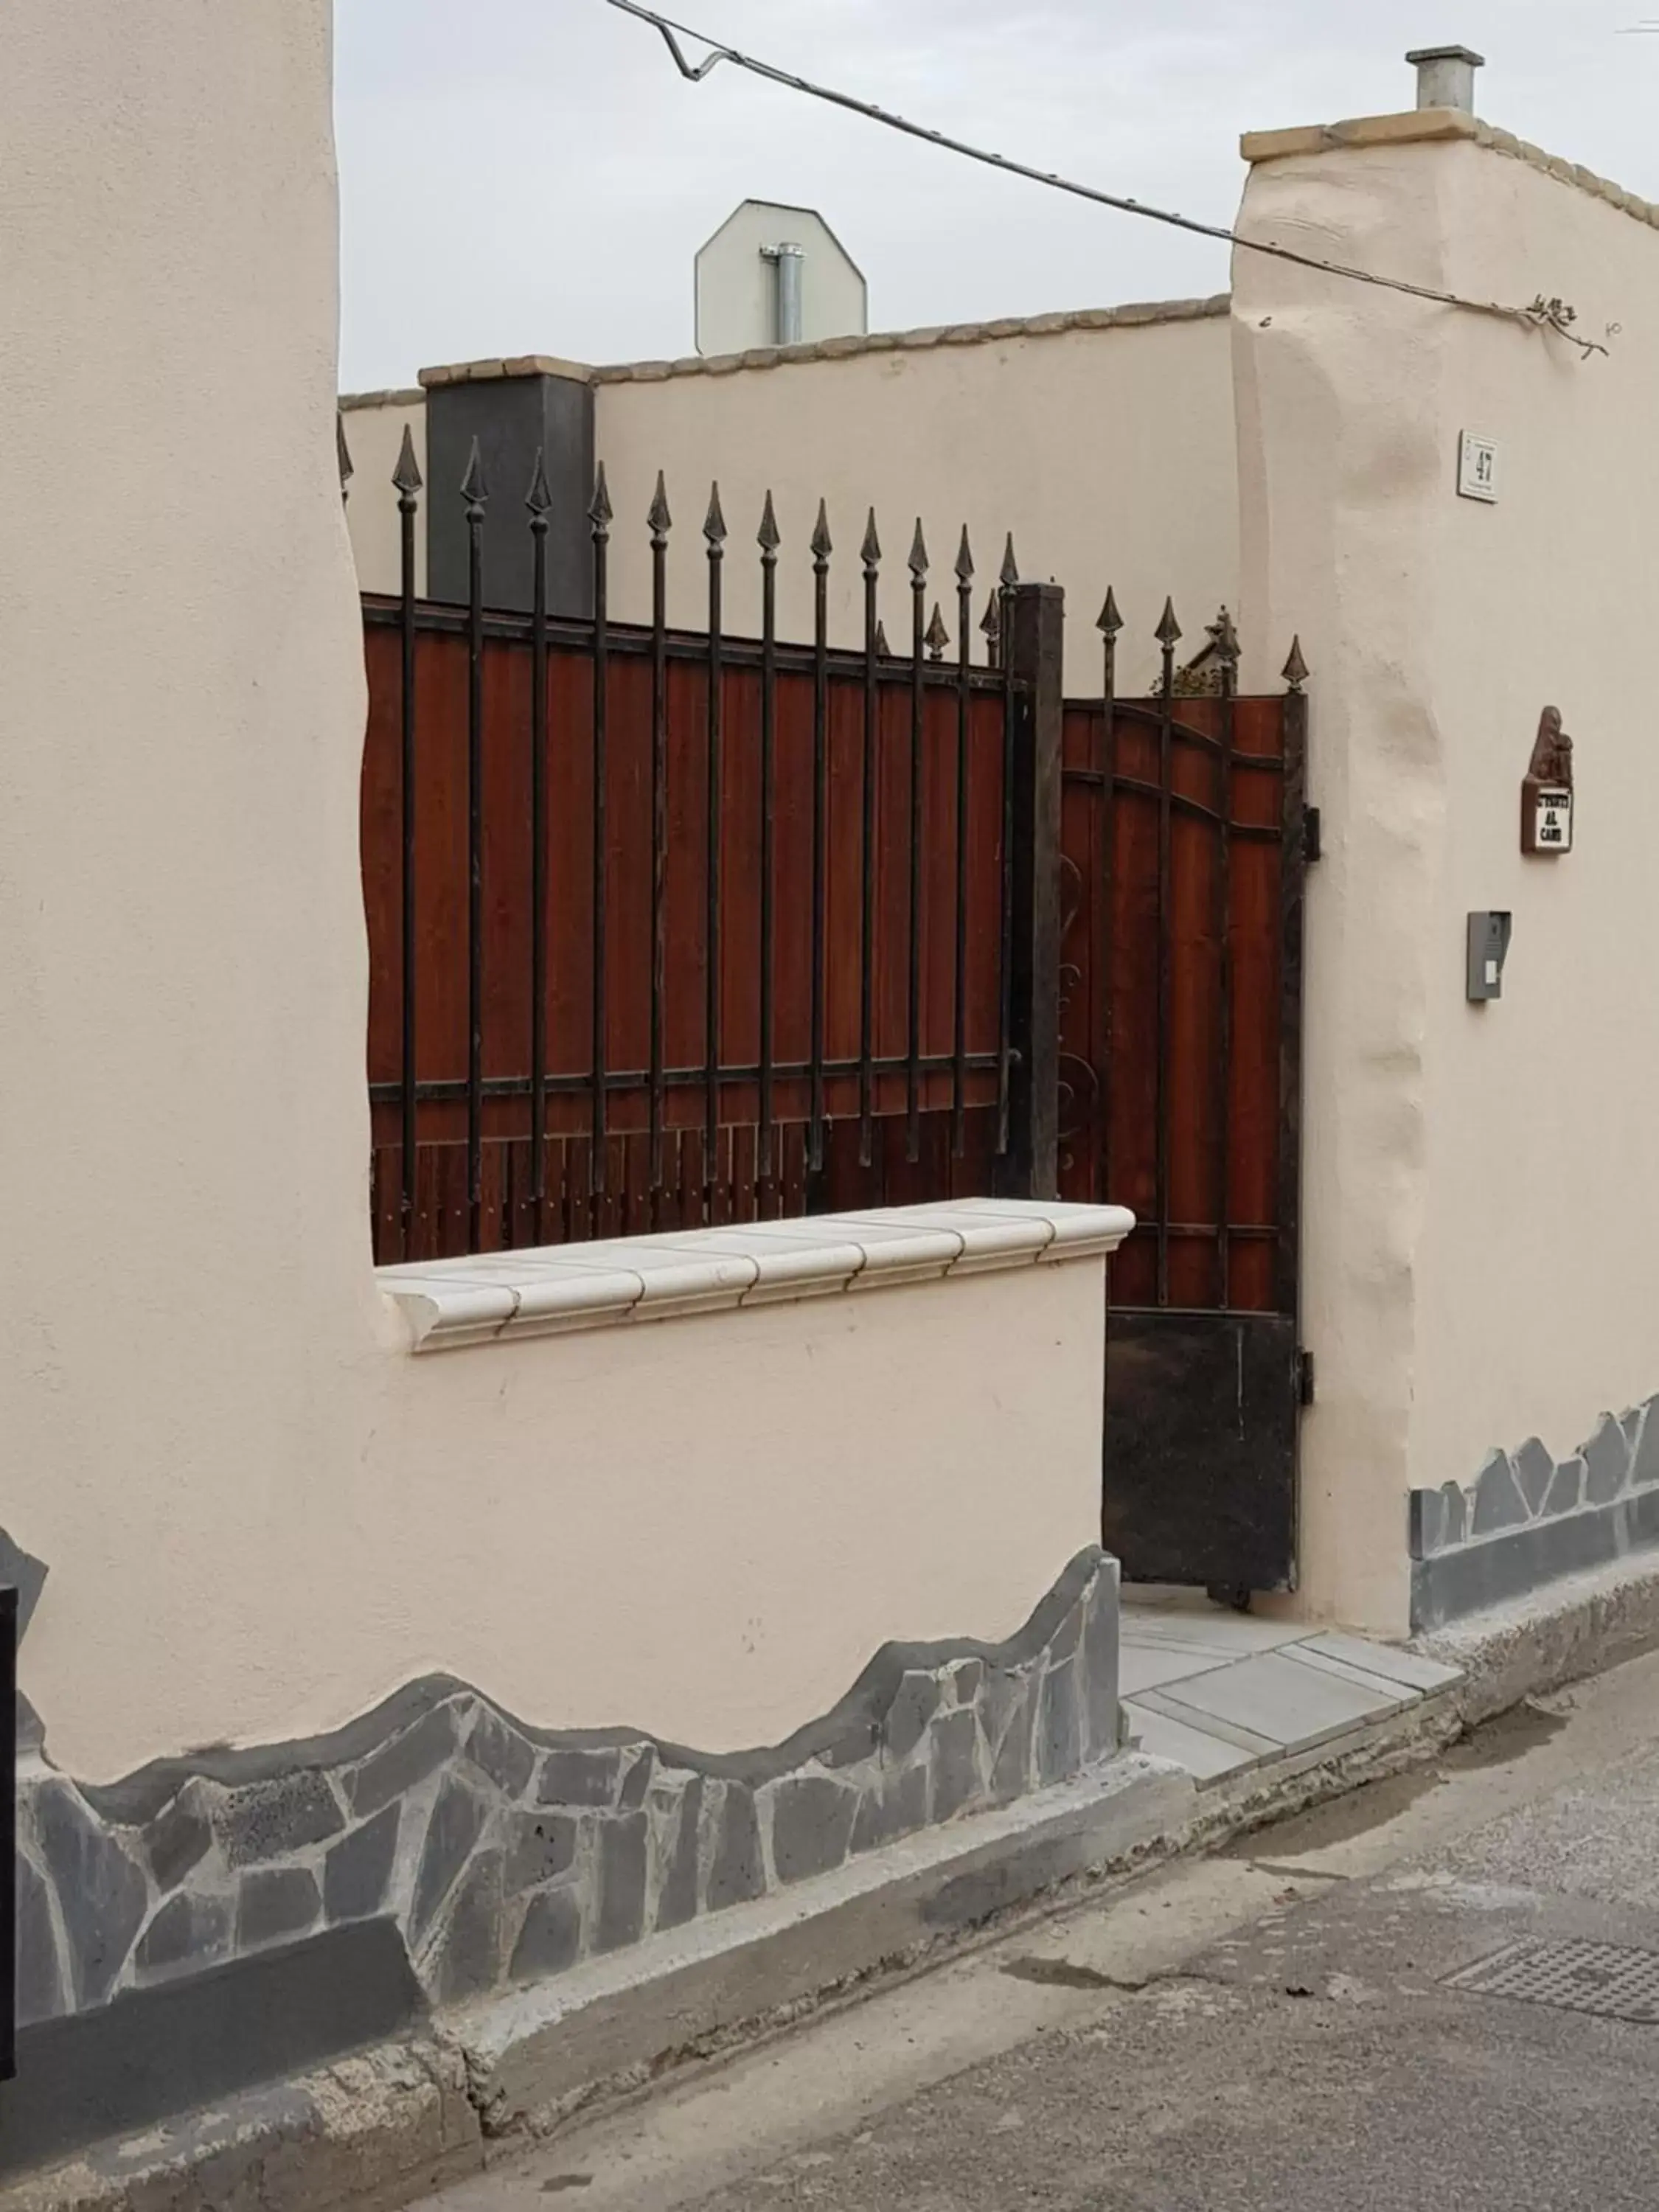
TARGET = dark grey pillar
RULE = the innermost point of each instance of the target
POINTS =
(511, 417)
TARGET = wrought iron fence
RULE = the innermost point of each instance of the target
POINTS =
(671, 927)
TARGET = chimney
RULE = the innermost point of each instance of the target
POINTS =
(1445, 76)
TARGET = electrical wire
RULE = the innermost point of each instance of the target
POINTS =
(1551, 314)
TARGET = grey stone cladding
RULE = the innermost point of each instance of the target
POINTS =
(1528, 1519)
(504, 1853)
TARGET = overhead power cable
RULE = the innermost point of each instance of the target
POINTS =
(1551, 314)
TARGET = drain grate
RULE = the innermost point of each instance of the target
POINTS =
(1612, 1979)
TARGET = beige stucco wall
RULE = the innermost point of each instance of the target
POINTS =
(259, 1512)
(1482, 1185)
(1106, 445)
(374, 423)
(1108, 451)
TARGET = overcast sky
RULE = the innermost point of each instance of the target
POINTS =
(532, 176)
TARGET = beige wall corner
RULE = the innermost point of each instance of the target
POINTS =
(1450, 1307)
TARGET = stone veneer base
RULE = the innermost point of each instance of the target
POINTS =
(478, 1854)
(1528, 1520)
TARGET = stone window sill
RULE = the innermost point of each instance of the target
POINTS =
(561, 1288)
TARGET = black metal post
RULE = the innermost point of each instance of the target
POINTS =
(407, 478)
(1169, 633)
(713, 531)
(1034, 641)
(1109, 623)
(599, 515)
(822, 549)
(661, 522)
(1000, 638)
(913, 1024)
(475, 492)
(870, 554)
(1226, 642)
(965, 713)
(540, 499)
(769, 541)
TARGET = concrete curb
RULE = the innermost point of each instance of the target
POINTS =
(601, 2029)
(1583, 1625)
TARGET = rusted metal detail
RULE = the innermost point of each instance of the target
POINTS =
(1169, 636)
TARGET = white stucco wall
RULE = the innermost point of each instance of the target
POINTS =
(1482, 1188)
(260, 1513)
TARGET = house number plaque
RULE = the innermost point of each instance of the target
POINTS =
(1547, 791)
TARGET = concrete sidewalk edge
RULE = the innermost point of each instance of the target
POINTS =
(1583, 1625)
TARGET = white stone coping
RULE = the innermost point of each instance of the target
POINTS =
(557, 1289)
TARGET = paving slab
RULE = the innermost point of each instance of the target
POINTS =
(1274, 1698)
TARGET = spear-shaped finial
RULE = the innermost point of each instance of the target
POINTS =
(1295, 668)
(407, 474)
(769, 538)
(539, 497)
(822, 543)
(918, 562)
(713, 523)
(1108, 621)
(882, 649)
(964, 559)
(938, 636)
(870, 551)
(474, 489)
(659, 518)
(1010, 566)
(1168, 632)
(599, 507)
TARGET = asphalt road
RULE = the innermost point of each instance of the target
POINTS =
(1290, 2028)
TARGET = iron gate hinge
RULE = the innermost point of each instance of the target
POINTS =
(1312, 846)
(1304, 1378)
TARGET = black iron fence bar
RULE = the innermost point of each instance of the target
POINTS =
(438, 1090)
(913, 1030)
(8, 1833)
(870, 554)
(1169, 633)
(1291, 887)
(964, 706)
(475, 492)
(822, 549)
(634, 641)
(1002, 641)
(539, 500)
(407, 478)
(713, 531)
(1226, 643)
(661, 522)
(1111, 621)
(769, 541)
(600, 517)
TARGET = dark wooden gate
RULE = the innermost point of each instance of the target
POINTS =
(1185, 838)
